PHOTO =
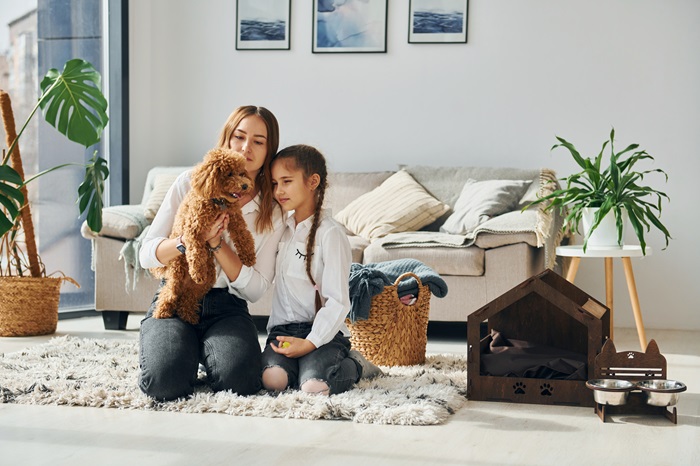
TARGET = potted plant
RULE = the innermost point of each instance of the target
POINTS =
(72, 102)
(614, 190)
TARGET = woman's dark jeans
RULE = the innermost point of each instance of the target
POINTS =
(329, 363)
(225, 341)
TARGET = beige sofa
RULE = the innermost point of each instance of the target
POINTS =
(477, 266)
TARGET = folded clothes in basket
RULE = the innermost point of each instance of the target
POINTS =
(368, 280)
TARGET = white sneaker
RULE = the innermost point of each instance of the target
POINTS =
(368, 370)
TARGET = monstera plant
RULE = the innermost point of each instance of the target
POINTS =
(73, 103)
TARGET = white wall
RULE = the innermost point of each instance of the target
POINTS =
(531, 70)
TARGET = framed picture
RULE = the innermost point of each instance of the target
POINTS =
(437, 21)
(263, 24)
(344, 26)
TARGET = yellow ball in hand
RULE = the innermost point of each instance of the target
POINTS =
(285, 344)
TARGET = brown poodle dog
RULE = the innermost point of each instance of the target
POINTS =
(217, 183)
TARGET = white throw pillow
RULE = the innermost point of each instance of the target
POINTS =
(161, 184)
(399, 204)
(124, 221)
(481, 200)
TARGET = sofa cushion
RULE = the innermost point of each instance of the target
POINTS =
(481, 200)
(161, 185)
(122, 221)
(444, 260)
(445, 183)
(398, 204)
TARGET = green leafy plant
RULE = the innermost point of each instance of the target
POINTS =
(72, 102)
(615, 188)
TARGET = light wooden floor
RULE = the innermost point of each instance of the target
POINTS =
(481, 433)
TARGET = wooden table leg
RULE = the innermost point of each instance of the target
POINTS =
(634, 298)
(609, 291)
(573, 268)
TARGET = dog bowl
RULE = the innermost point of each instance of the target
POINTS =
(661, 392)
(610, 391)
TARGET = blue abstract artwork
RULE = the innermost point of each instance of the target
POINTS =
(350, 26)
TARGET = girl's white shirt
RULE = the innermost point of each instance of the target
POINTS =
(252, 282)
(294, 299)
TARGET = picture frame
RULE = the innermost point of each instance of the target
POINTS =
(349, 26)
(438, 21)
(263, 24)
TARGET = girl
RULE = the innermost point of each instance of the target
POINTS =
(307, 345)
(225, 340)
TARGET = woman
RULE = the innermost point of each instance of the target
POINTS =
(225, 340)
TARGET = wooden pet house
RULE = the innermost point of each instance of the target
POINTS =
(544, 310)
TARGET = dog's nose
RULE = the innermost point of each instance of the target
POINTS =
(244, 187)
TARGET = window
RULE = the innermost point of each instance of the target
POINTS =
(44, 34)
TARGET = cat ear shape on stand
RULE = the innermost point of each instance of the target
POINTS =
(652, 348)
(608, 348)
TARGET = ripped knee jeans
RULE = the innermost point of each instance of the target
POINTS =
(329, 363)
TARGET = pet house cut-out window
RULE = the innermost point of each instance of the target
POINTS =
(40, 35)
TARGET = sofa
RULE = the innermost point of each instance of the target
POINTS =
(466, 223)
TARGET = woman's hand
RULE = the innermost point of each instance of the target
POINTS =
(292, 347)
(216, 231)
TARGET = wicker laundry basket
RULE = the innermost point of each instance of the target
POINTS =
(29, 305)
(395, 334)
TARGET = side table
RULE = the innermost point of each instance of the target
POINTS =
(625, 253)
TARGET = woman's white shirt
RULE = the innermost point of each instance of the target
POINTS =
(294, 298)
(252, 282)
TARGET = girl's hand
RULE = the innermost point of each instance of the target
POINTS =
(292, 347)
(217, 230)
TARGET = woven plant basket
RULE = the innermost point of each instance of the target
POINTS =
(29, 305)
(395, 334)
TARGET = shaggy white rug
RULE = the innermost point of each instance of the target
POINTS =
(103, 373)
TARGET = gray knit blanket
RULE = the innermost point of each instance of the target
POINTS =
(368, 280)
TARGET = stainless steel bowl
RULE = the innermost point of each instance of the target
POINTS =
(610, 391)
(660, 392)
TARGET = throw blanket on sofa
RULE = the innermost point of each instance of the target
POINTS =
(368, 280)
(132, 265)
(545, 225)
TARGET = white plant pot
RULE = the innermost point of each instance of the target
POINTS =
(605, 234)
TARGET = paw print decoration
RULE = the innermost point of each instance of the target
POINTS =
(519, 388)
(546, 389)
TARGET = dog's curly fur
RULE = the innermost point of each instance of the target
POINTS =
(217, 183)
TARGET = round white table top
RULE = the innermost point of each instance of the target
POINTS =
(631, 250)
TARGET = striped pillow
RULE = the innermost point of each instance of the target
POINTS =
(399, 204)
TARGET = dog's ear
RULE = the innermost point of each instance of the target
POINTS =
(198, 179)
(207, 171)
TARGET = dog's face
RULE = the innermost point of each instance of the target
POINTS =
(221, 175)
